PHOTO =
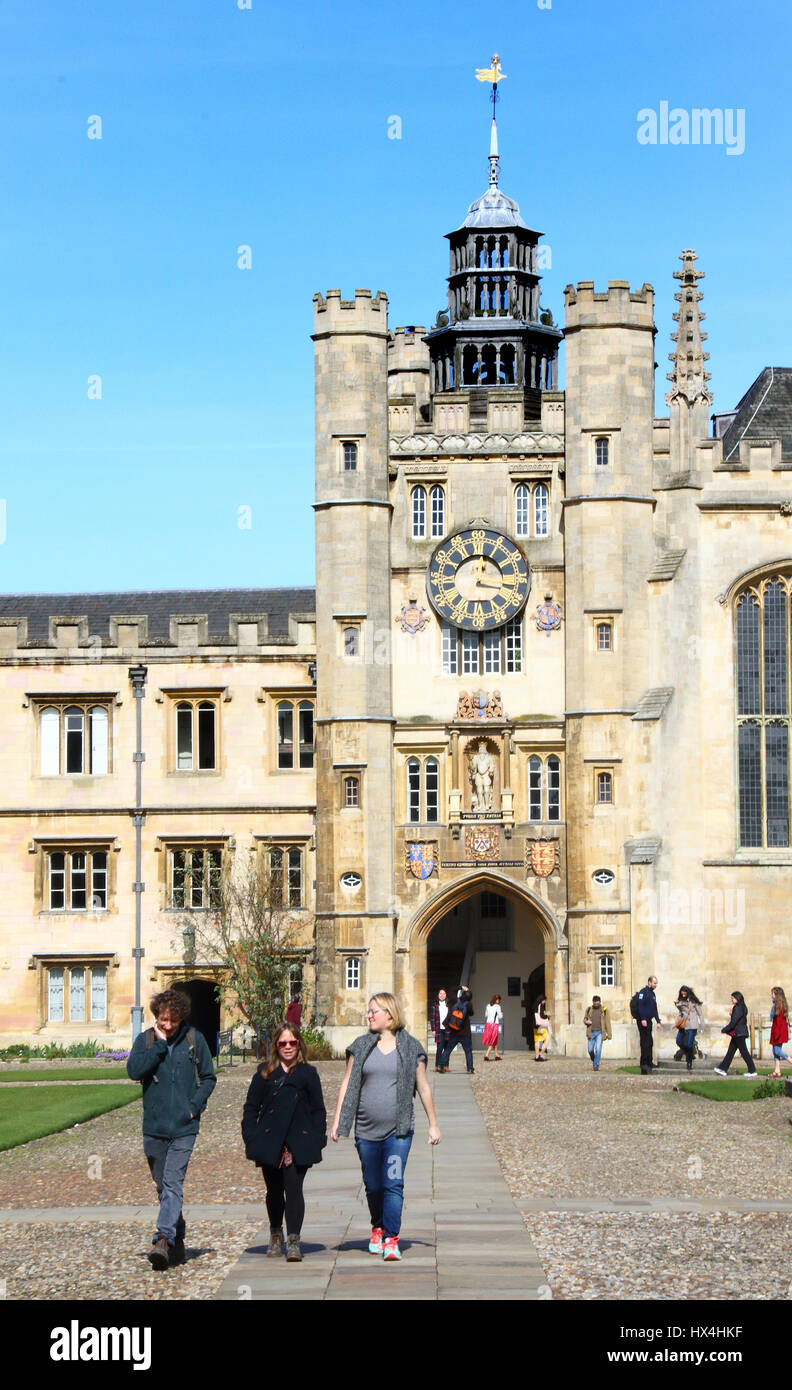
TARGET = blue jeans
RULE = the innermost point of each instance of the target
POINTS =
(167, 1161)
(595, 1049)
(451, 1040)
(383, 1162)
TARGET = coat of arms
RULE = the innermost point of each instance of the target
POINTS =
(482, 842)
(548, 617)
(479, 705)
(421, 860)
(543, 857)
(412, 618)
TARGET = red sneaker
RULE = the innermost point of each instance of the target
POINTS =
(390, 1248)
(375, 1244)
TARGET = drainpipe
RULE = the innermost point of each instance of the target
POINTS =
(137, 675)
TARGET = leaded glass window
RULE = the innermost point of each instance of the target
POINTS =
(762, 633)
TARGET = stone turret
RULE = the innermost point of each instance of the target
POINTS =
(354, 858)
(689, 398)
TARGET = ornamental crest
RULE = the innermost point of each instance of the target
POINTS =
(421, 859)
(548, 617)
(412, 618)
(543, 857)
(479, 705)
(482, 842)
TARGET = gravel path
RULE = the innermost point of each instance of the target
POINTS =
(561, 1131)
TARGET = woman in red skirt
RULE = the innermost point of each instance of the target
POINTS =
(491, 1034)
(779, 1029)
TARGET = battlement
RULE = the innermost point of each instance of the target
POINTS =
(364, 312)
(407, 351)
(619, 306)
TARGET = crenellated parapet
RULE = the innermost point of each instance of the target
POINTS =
(616, 307)
(364, 313)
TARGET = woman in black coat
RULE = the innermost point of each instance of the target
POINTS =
(284, 1126)
(737, 1029)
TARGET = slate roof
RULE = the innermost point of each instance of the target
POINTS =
(158, 605)
(765, 412)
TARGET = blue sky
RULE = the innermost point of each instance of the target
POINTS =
(268, 127)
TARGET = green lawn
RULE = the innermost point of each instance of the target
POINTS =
(113, 1073)
(722, 1088)
(30, 1112)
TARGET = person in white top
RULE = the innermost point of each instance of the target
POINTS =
(491, 1035)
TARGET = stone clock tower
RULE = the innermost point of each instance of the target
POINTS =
(441, 837)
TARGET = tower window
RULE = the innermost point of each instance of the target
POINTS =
(605, 788)
(351, 792)
(350, 456)
(438, 511)
(423, 791)
(351, 643)
(604, 637)
(419, 513)
(540, 501)
(606, 970)
(522, 504)
(352, 972)
(602, 451)
(492, 652)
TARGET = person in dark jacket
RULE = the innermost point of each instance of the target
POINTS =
(175, 1065)
(284, 1126)
(461, 1035)
(438, 1014)
(647, 1015)
(737, 1029)
(294, 1011)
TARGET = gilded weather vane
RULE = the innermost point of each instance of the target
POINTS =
(494, 75)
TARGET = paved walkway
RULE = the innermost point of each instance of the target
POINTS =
(463, 1237)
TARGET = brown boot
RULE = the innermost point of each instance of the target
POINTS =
(275, 1246)
(293, 1248)
(159, 1254)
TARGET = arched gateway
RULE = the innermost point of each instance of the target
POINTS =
(495, 934)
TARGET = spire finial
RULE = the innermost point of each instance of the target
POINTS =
(493, 75)
(688, 376)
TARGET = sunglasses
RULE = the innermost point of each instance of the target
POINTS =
(287, 1044)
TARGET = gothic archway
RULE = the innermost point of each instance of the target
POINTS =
(472, 933)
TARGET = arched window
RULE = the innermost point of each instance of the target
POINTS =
(541, 510)
(602, 448)
(350, 457)
(75, 734)
(535, 788)
(605, 787)
(522, 507)
(97, 719)
(351, 643)
(418, 513)
(351, 792)
(469, 366)
(762, 618)
(553, 789)
(195, 736)
(437, 498)
(488, 365)
(432, 790)
(305, 722)
(285, 734)
(413, 791)
(50, 742)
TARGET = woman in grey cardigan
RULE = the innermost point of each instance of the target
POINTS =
(385, 1067)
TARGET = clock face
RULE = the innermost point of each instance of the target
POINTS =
(478, 579)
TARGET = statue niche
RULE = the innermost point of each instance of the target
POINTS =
(482, 762)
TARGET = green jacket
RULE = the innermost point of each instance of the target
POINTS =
(173, 1097)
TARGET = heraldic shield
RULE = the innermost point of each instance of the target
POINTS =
(421, 860)
(543, 857)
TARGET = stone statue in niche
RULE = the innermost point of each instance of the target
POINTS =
(482, 776)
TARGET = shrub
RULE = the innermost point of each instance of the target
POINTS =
(768, 1089)
(317, 1047)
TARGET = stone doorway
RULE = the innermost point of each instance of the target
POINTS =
(205, 1012)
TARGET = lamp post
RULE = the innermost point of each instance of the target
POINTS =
(137, 675)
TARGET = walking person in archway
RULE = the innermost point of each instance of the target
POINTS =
(284, 1129)
(737, 1030)
(457, 1029)
(385, 1067)
(437, 1021)
(598, 1029)
(541, 1029)
(689, 1023)
(779, 1028)
(491, 1035)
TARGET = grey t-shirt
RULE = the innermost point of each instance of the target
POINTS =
(376, 1116)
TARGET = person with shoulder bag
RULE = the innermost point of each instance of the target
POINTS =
(493, 1021)
(385, 1067)
(688, 1024)
(598, 1029)
(541, 1029)
(457, 1029)
(737, 1030)
(284, 1126)
(779, 1029)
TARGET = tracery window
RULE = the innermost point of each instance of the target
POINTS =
(762, 616)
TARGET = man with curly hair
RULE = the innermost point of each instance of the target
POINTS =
(175, 1066)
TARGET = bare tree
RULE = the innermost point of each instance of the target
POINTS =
(255, 938)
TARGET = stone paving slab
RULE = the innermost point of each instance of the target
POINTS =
(457, 1214)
